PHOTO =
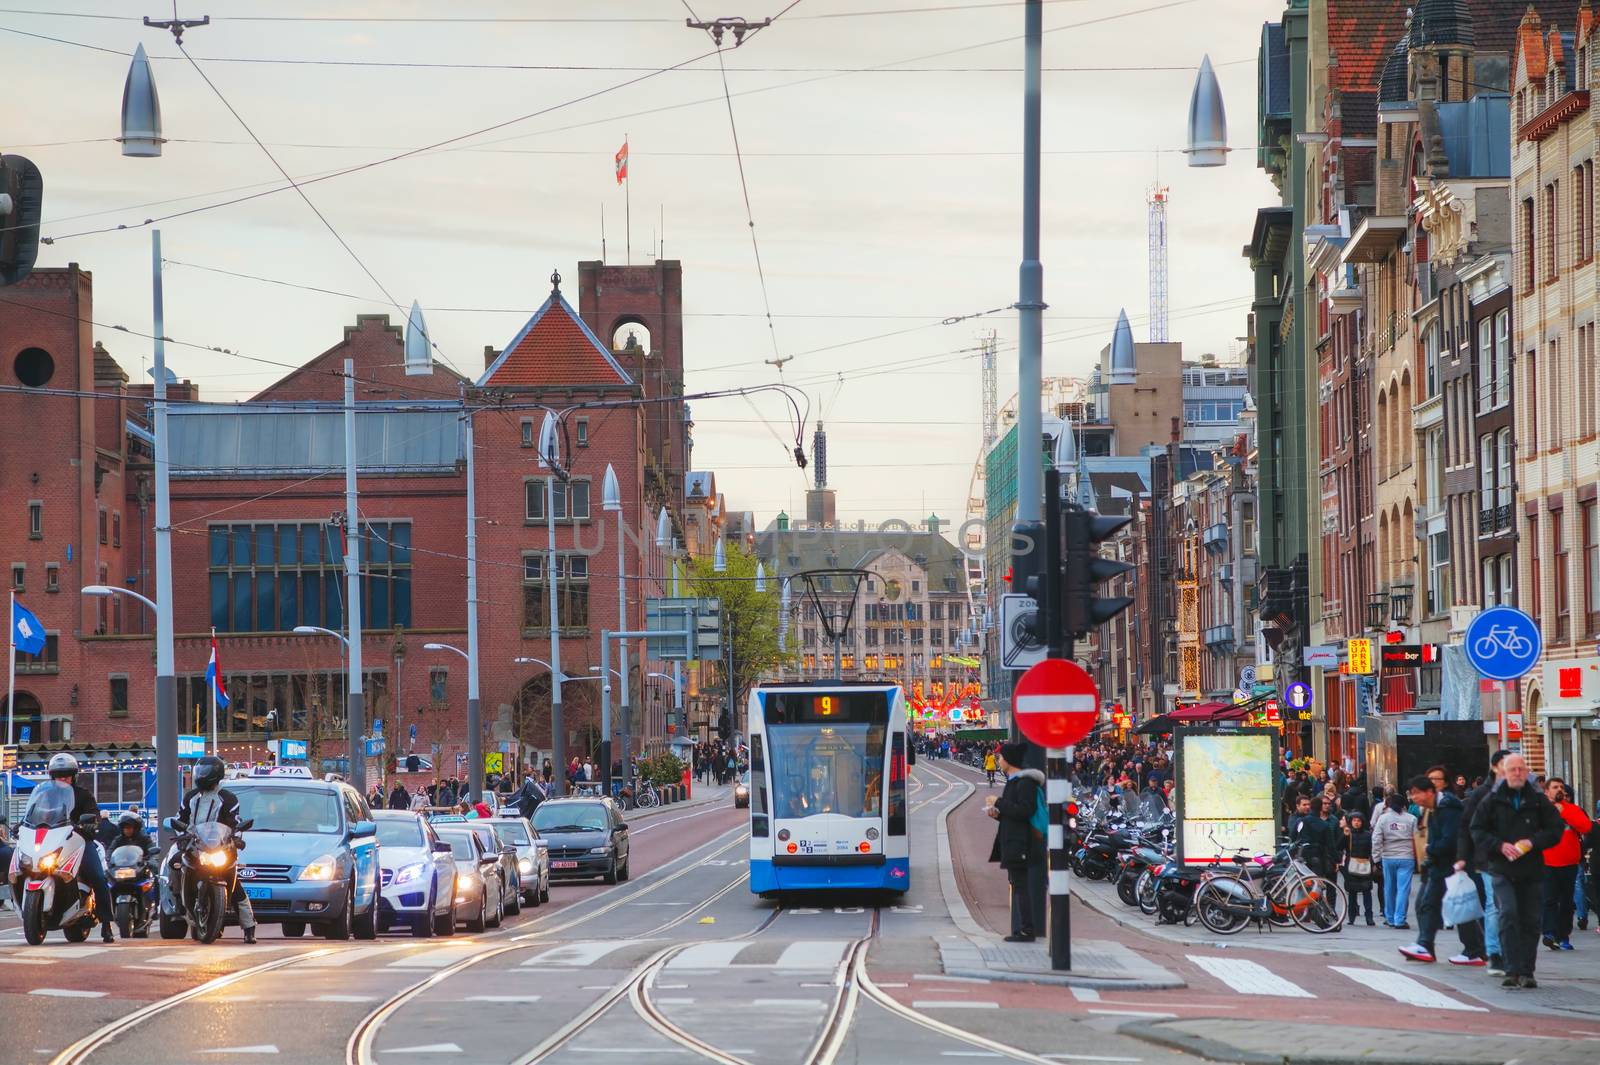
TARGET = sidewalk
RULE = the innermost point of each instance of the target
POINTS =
(1278, 1043)
(701, 795)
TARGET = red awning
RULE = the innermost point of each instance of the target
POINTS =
(1202, 712)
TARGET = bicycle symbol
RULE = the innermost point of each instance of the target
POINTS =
(1503, 638)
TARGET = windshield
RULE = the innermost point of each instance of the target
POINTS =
(570, 817)
(50, 806)
(512, 833)
(399, 832)
(211, 834)
(289, 809)
(460, 844)
(127, 856)
(828, 769)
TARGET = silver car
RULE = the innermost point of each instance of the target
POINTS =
(533, 856)
(480, 884)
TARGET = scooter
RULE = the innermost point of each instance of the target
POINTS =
(44, 871)
(200, 877)
(133, 893)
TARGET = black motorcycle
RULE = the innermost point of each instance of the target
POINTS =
(133, 892)
(204, 864)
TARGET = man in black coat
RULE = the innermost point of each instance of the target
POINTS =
(1512, 827)
(1444, 831)
(1470, 862)
(1312, 830)
(1018, 843)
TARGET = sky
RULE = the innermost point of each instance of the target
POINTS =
(886, 201)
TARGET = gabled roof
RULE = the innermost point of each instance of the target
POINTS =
(555, 349)
(1361, 34)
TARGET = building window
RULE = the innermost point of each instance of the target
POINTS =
(296, 703)
(1535, 583)
(1502, 358)
(577, 489)
(103, 521)
(1558, 551)
(19, 576)
(119, 697)
(1486, 469)
(436, 683)
(1552, 260)
(582, 431)
(272, 577)
(116, 528)
(527, 432)
(572, 585)
(1508, 568)
(1531, 380)
(1529, 265)
(35, 520)
(1591, 568)
(46, 661)
(52, 576)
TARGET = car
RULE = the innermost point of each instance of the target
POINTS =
(480, 900)
(741, 792)
(311, 855)
(533, 855)
(510, 870)
(417, 873)
(587, 838)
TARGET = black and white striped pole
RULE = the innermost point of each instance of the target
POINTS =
(1058, 795)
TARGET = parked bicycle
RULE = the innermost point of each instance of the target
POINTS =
(1281, 891)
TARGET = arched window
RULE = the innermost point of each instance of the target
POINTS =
(1381, 427)
(631, 336)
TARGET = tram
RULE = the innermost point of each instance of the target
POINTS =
(828, 804)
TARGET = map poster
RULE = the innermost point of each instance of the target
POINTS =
(1227, 793)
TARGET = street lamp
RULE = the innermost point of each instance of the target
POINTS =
(1208, 121)
(102, 591)
(611, 500)
(761, 579)
(550, 459)
(677, 693)
(442, 647)
(719, 561)
(141, 109)
(318, 630)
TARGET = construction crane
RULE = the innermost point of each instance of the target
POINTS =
(1156, 201)
(991, 410)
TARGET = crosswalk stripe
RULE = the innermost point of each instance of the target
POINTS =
(52, 952)
(1403, 989)
(213, 952)
(341, 958)
(707, 956)
(1248, 977)
(575, 955)
(434, 958)
(812, 954)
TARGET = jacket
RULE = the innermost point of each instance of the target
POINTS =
(1466, 846)
(1357, 845)
(1444, 830)
(1569, 849)
(1392, 834)
(1509, 815)
(1321, 846)
(205, 806)
(1015, 845)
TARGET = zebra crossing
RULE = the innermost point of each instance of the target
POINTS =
(804, 955)
(1252, 978)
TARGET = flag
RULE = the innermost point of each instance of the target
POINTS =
(27, 631)
(622, 163)
(214, 677)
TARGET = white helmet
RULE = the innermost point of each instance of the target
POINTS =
(63, 765)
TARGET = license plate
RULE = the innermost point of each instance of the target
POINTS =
(563, 865)
(253, 892)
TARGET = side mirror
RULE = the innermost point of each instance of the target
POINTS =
(172, 824)
(89, 821)
(441, 847)
(247, 824)
(362, 829)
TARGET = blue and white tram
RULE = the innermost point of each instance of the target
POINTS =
(828, 788)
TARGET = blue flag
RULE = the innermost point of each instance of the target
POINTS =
(27, 632)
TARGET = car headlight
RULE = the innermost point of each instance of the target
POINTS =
(468, 879)
(524, 866)
(47, 863)
(321, 869)
(408, 873)
(600, 850)
(216, 859)
(125, 874)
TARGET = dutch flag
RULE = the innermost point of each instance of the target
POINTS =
(214, 678)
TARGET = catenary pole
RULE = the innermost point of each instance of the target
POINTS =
(167, 779)
(474, 703)
(356, 716)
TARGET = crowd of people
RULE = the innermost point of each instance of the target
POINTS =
(719, 761)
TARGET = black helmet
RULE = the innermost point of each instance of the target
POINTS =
(62, 766)
(208, 773)
(130, 818)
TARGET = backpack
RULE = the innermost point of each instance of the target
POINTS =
(1040, 821)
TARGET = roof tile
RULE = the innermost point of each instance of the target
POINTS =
(554, 349)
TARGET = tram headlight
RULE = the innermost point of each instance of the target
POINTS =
(783, 835)
(872, 833)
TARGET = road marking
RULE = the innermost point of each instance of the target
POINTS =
(1248, 977)
(948, 979)
(790, 1003)
(1085, 994)
(65, 992)
(264, 1048)
(575, 955)
(821, 954)
(1085, 1057)
(1135, 1013)
(1403, 989)
(935, 1004)
(880, 985)
(353, 954)
(969, 1054)
(57, 953)
(674, 1001)
(714, 955)
(344, 998)
(430, 1048)
(626, 1050)
(502, 998)
(435, 958)
(26, 961)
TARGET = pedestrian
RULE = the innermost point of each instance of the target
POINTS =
(1392, 842)
(1443, 845)
(548, 771)
(1019, 838)
(419, 802)
(1561, 866)
(6, 849)
(1358, 865)
(1513, 826)
(1316, 839)
(399, 798)
(1473, 862)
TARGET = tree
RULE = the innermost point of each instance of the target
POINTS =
(749, 620)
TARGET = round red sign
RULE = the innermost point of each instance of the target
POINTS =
(1056, 703)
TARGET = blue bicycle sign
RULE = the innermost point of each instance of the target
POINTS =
(1503, 643)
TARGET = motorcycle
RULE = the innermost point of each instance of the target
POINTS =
(1136, 865)
(132, 890)
(45, 886)
(201, 878)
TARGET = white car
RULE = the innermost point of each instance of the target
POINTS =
(417, 875)
(533, 855)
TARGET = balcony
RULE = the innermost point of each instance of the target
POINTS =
(1215, 538)
(1495, 520)
(1220, 639)
(1225, 573)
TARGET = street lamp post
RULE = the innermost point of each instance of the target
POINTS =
(549, 458)
(356, 754)
(356, 706)
(611, 500)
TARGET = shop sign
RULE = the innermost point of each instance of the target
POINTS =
(1572, 684)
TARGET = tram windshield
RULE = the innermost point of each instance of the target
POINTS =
(828, 769)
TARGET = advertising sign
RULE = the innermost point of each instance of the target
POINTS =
(1227, 793)
(1572, 684)
(1410, 655)
(1326, 656)
(1359, 653)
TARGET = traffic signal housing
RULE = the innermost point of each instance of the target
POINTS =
(21, 206)
(1085, 569)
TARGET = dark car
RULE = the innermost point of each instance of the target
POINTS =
(587, 837)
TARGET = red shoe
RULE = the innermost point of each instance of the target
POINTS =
(1415, 952)
(1463, 959)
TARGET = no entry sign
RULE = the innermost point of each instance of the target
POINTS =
(1056, 703)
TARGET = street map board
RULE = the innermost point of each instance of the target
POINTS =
(1227, 793)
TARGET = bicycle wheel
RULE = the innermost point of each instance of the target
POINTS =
(1317, 905)
(1277, 902)
(1211, 906)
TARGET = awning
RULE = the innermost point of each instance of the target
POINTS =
(1156, 726)
(1203, 712)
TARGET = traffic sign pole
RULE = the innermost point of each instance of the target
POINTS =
(1058, 792)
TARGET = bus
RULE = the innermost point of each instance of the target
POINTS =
(828, 788)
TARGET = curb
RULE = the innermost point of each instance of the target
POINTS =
(1155, 1032)
(673, 807)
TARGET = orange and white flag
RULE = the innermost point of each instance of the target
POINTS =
(622, 163)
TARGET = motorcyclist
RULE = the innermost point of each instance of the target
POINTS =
(209, 801)
(131, 833)
(63, 769)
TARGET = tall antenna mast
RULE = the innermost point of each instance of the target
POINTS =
(991, 408)
(1157, 202)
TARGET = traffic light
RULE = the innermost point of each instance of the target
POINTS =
(21, 204)
(1083, 611)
